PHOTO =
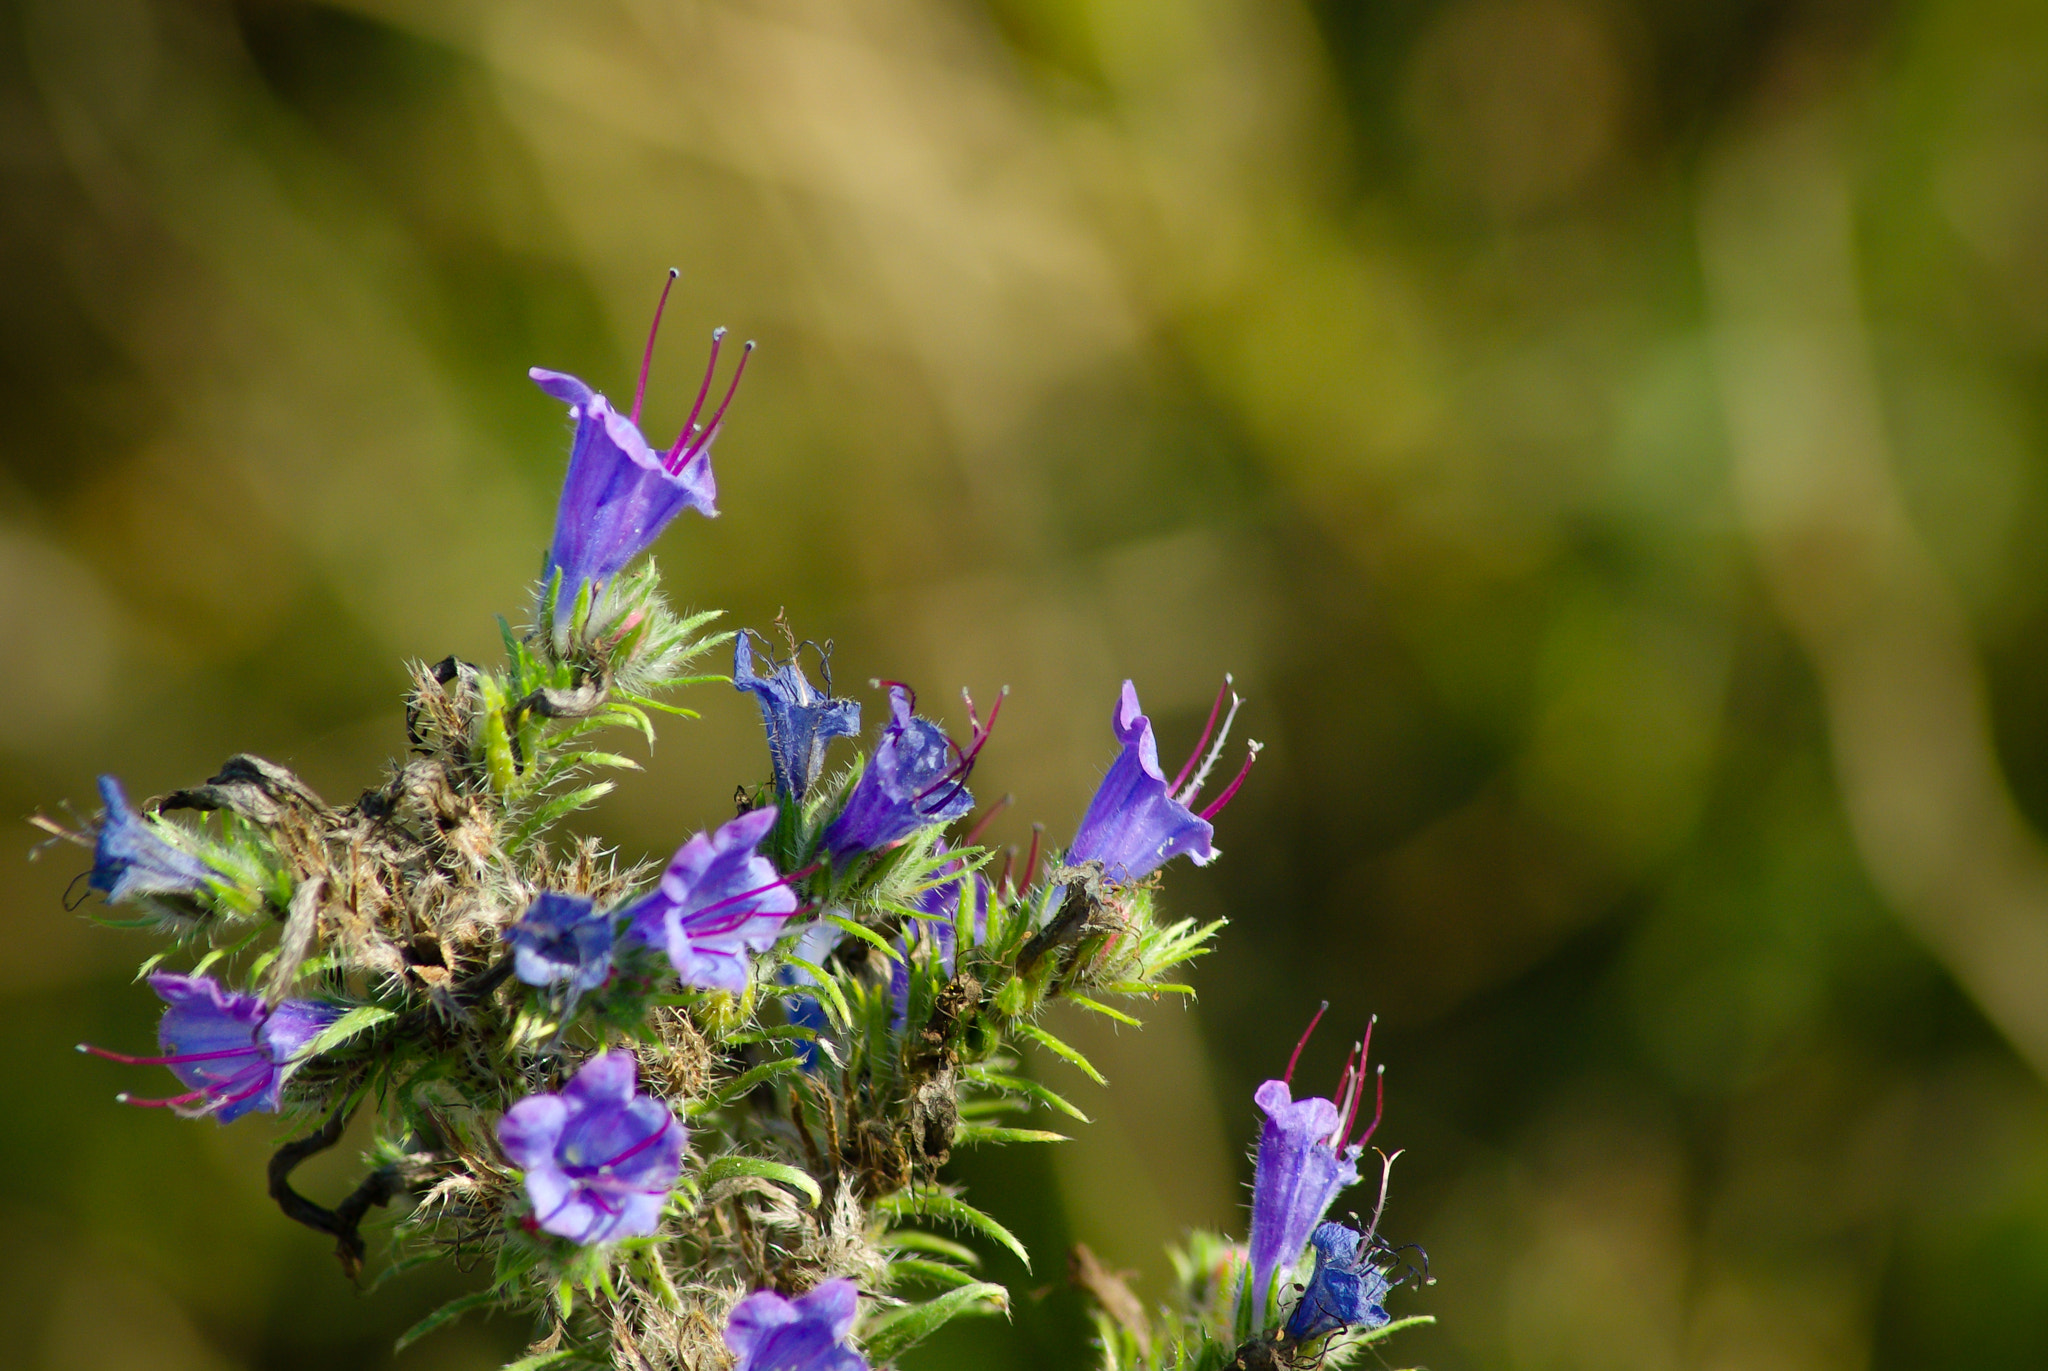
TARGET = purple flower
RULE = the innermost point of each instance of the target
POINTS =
(800, 721)
(1303, 1163)
(562, 938)
(232, 1049)
(942, 902)
(620, 492)
(599, 1157)
(717, 901)
(1346, 1291)
(129, 859)
(1139, 820)
(808, 1333)
(917, 776)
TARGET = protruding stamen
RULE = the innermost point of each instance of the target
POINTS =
(1186, 795)
(652, 1138)
(1288, 1074)
(647, 357)
(698, 444)
(1003, 879)
(1379, 1106)
(172, 1102)
(1031, 860)
(732, 921)
(1215, 806)
(974, 833)
(178, 1059)
(1351, 1115)
(1202, 741)
(688, 434)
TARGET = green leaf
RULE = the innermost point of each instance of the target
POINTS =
(745, 1081)
(901, 1329)
(997, 1081)
(1386, 1329)
(1104, 1010)
(934, 1204)
(943, 1273)
(917, 1240)
(865, 934)
(358, 1020)
(539, 1361)
(970, 1133)
(727, 1168)
(826, 991)
(445, 1315)
(1144, 988)
(1061, 1050)
(562, 805)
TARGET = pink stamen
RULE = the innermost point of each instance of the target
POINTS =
(1379, 1108)
(956, 775)
(1351, 1115)
(1009, 856)
(652, 1138)
(703, 391)
(647, 357)
(700, 441)
(1030, 873)
(171, 1103)
(1215, 712)
(974, 833)
(179, 1060)
(1230, 791)
(1288, 1075)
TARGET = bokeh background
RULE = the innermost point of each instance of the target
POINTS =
(1604, 437)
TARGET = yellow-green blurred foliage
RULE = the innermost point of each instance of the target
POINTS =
(1601, 435)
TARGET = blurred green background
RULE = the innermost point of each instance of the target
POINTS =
(1605, 437)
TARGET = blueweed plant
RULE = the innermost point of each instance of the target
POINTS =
(700, 1116)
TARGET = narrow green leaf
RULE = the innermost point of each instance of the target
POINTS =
(358, 1020)
(917, 1240)
(826, 991)
(969, 1134)
(540, 1361)
(1144, 988)
(563, 805)
(942, 1273)
(445, 1315)
(997, 1081)
(1386, 1329)
(933, 1204)
(726, 1168)
(901, 1329)
(1105, 1010)
(746, 1081)
(865, 934)
(1061, 1050)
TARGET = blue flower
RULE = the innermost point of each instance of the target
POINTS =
(562, 938)
(770, 1333)
(1139, 820)
(916, 777)
(231, 1048)
(718, 901)
(800, 721)
(129, 859)
(1305, 1161)
(620, 492)
(942, 902)
(600, 1157)
(1346, 1292)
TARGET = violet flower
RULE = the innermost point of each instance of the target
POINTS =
(1138, 819)
(718, 901)
(800, 721)
(942, 930)
(1347, 1291)
(620, 493)
(600, 1157)
(770, 1333)
(562, 939)
(231, 1048)
(1305, 1160)
(130, 859)
(916, 777)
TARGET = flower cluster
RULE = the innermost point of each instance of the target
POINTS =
(696, 1113)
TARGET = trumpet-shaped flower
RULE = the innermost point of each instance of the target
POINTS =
(562, 939)
(1346, 1291)
(232, 1049)
(599, 1156)
(130, 859)
(718, 901)
(1138, 820)
(770, 1333)
(621, 492)
(1305, 1160)
(916, 777)
(800, 721)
